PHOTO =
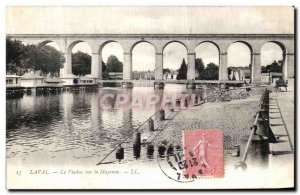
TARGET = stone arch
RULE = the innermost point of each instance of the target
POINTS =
(175, 41)
(266, 76)
(72, 45)
(143, 68)
(103, 57)
(69, 69)
(238, 70)
(104, 44)
(249, 46)
(244, 42)
(212, 42)
(280, 44)
(43, 43)
(143, 41)
(201, 48)
(168, 62)
(107, 42)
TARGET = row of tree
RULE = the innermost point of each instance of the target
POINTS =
(22, 58)
(276, 66)
(210, 72)
(81, 64)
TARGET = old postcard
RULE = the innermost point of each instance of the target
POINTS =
(150, 97)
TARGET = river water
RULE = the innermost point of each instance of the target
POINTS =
(70, 128)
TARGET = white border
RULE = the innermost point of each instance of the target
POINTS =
(5, 3)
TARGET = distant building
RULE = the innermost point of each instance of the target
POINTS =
(13, 81)
(88, 80)
(172, 75)
(240, 73)
(143, 75)
(271, 77)
(32, 80)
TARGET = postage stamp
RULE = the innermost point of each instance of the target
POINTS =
(203, 153)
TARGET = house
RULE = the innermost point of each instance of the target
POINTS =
(32, 80)
(88, 80)
(69, 80)
(240, 73)
(13, 86)
(13, 81)
(271, 77)
(275, 76)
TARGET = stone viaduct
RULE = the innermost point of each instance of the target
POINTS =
(222, 41)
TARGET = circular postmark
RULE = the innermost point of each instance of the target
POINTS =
(174, 166)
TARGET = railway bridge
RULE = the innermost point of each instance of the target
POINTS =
(66, 42)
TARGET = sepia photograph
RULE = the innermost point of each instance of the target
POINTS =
(150, 97)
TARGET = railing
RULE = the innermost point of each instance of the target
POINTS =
(242, 163)
(261, 140)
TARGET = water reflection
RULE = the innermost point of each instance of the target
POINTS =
(70, 127)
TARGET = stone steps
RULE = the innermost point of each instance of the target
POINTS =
(283, 146)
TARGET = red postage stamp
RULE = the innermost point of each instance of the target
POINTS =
(204, 153)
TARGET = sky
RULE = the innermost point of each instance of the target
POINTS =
(177, 20)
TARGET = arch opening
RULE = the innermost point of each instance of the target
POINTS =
(81, 58)
(207, 61)
(239, 61)
(272, 62)
(175, 61)
(112, 61)
(143, 61)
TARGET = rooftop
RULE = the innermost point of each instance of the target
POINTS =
(12, 76)
(88, 76)
(31, 75)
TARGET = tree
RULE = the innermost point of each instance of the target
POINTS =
(263, 69)
(21, 59)
(113, 64)
(47, 59)
(15, 56)
(104, 71)
(182, 71)
(103, 66)
(274, 67)
(166, 70)
(35, 58)
(81, 63)
(211, 72)
(199, 66)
